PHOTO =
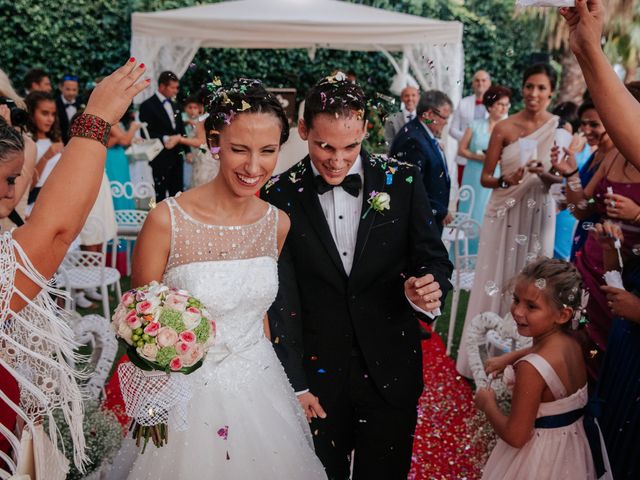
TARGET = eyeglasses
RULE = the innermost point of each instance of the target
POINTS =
(591, 124)
(437, 112)
(503, 104)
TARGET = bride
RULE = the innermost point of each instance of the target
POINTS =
(221, 243)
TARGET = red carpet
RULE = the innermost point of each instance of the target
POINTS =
(443, 447)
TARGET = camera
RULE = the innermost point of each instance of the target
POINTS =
(19, 116)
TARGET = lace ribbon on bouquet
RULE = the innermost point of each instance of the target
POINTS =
(152, 397)
(37, 349)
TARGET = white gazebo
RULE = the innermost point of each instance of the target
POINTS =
(431, 49)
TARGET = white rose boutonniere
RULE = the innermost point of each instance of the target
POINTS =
(379, 202)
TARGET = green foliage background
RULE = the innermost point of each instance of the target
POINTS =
(90, 38)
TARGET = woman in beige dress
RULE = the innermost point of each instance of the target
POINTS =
(519, 222)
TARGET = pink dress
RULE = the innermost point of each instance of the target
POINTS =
(551, 453)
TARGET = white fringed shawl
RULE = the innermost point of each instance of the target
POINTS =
(37, 349)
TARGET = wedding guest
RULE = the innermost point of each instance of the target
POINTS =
(470, 108)
(12, 210)
(473, 146)
(618, 389)
(419, 144)
(164, 121)
(204, 165)
(45, 131)
(520, 215)
(567, 112)
(31, 254)
(117, 165)
(67, 104)
(544, 436)
(612, 193)
(409, 98)
(37, 80)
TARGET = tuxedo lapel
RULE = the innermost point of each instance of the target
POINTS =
(312, 207)
(373, 181)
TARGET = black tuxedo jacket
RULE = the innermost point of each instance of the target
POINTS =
(63, 121)
(321, 315)
(414, 145)
(158, 123)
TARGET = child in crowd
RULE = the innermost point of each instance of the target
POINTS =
(544, 435)
(44, 128)
(204, 166)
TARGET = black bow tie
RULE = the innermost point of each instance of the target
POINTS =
(166, 100)
(351, 184)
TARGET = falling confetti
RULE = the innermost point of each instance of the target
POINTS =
(223, 432)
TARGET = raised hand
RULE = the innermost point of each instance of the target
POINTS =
(568, 163)
(607, 233)
(586, 24)
(113, 95)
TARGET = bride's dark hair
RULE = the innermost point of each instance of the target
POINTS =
(245, 95)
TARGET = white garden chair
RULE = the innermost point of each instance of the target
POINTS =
(464, 269)
(130, 221)
(466, 201)
(81, 269)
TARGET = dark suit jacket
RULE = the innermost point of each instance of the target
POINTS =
(321, 315)
(413, 144)
(158, 123)
(63, 121)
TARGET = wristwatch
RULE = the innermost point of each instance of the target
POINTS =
(502, 183)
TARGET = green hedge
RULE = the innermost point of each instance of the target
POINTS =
(91, 37)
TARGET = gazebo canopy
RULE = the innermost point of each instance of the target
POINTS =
(168, 40)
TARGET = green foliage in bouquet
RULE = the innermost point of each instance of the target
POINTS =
(103, 435)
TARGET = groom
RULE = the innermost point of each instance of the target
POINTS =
(362, 258)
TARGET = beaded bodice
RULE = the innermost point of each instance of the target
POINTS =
(231, 269)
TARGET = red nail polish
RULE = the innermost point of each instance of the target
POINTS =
(148, 80)
(132, 59)
(142, 65)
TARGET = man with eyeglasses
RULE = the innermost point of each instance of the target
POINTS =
(470, 108)
(418, 143)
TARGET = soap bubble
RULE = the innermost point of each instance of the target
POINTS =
(531, 203)
(491, 288)
(531, 257)
(501, 212)
(588, 226)
(521, 239)
(636, 249)
(510, 202)
(541, 283)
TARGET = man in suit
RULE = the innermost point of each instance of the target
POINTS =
(417, 143)
(362, 258)
(164, 121)
(409, 97)
(470, 108)
(67, 104)
(37, 80)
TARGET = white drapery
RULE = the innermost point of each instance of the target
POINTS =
(432, 52)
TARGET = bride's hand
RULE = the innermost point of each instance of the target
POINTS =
(112, 96)
(311, 406)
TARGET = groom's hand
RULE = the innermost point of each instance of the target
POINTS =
(311, 406)
(423, 292)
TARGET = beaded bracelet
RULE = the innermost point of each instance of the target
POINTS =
(90, 126)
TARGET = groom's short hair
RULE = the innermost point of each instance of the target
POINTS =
(432, 100)
(334, 95)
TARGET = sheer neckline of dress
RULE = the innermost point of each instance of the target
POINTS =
(210, 225)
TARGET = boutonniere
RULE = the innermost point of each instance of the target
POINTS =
(378, 202)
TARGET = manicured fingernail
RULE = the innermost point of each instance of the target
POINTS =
(132, 59)
(142, 65)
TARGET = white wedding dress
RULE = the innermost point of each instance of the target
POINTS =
(244, 418)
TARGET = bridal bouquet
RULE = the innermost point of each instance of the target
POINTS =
(165, 331)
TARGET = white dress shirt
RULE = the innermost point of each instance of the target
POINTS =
(69, 108)
(408, 116)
